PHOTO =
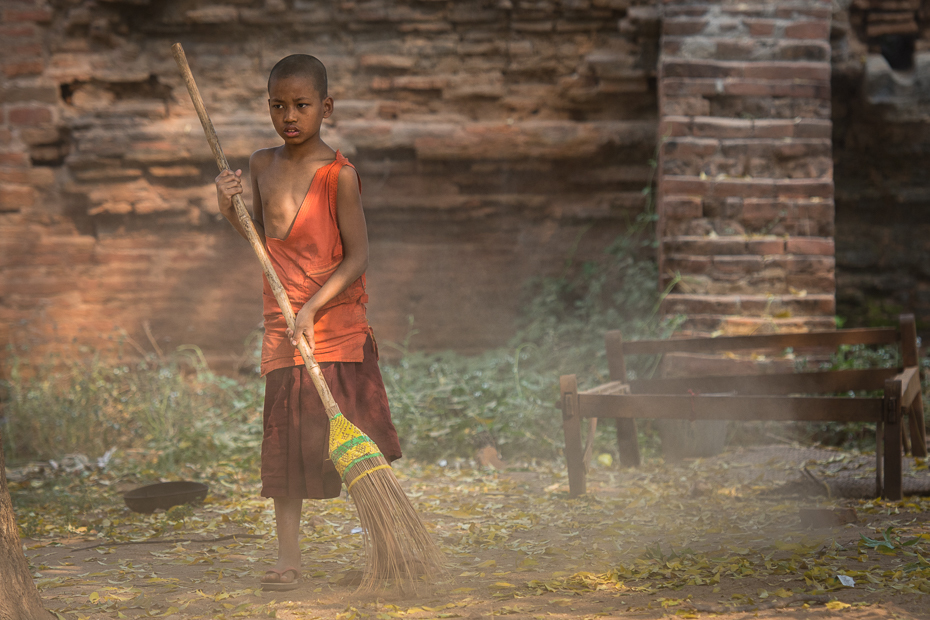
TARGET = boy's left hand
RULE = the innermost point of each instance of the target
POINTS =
(303, 325)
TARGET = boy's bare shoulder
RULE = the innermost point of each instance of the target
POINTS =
(261, 159)
(349, 175)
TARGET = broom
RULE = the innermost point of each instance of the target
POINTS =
(397, 545)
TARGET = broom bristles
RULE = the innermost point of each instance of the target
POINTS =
(398, 547)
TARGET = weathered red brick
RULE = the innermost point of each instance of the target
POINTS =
(700, 68)
(43, 94)
(17, 31)
(773, 88)
(32, 115)
(685, 10)
(795, 49)
(386, 61)
(216, 14)
(817, 211)
(540, 26)
(743, 9)
(741, 87)
(790, 12)
(760, 70)
(683, 87)
(684, 106)
(682, 208)
(675, 126)
(811, 245)
(21, 51)
(688, 264)
(420, 82)
(744, 188)
(671, 46)
(680, 303)
(763, 210)
(738, 264)
(24, 67)
(766, 246)
(689, 148)
(804, 188)
(813, 128)
(38, 15)
(773, 128)
(425, 27)
(815, 29)
(782, 70)
(811, 304)
(683, 185)
(678, 26)
(570, 25)
(735, 49)
(760, 27)
(13, 158)
(713, 127)
(18, 176)
(704, 246)
(810, 264)
(821, 283)
(16, 197)
(381, 83)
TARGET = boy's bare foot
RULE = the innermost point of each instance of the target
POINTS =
(281, 580)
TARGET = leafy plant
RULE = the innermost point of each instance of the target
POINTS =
(886, 543)
(174, 408)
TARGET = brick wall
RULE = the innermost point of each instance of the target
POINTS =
(881, 107)
(745, 162)
(489, 136)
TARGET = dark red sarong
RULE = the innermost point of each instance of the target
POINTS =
(295, 454)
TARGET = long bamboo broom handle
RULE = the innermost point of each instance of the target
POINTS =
(245, 220)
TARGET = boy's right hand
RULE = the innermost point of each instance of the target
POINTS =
(228, 184)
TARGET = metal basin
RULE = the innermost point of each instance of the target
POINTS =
(164, 495)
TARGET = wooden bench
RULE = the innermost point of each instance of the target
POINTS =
(791, 396)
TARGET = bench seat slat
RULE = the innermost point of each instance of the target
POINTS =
(614, 387)
(728, 407)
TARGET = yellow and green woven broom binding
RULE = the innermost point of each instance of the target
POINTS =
(397, 544)
(349, 446)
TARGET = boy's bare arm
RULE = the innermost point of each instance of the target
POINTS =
(257, 164)
(354, 233)
(228, 184)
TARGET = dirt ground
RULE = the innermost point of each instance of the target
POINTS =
(651, 542)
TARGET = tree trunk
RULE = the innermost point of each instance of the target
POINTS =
(19, 599)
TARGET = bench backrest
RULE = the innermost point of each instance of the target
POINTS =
(784, 383)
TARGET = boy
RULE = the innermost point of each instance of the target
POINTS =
(307, 209)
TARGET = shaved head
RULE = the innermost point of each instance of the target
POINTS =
(301, 65)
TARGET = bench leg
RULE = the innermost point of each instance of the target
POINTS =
(910, 356)
(905, 442)
(879, 459)
(893, 456)
(588, 451)
(627, 442)
(918, 429)
(571, 426)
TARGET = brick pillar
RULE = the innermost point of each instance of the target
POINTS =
(745, 195)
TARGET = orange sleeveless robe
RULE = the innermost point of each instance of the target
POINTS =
(304, 261)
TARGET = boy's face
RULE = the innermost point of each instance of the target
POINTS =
(296, 108)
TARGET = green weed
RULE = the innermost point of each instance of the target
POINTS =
(174, 409)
